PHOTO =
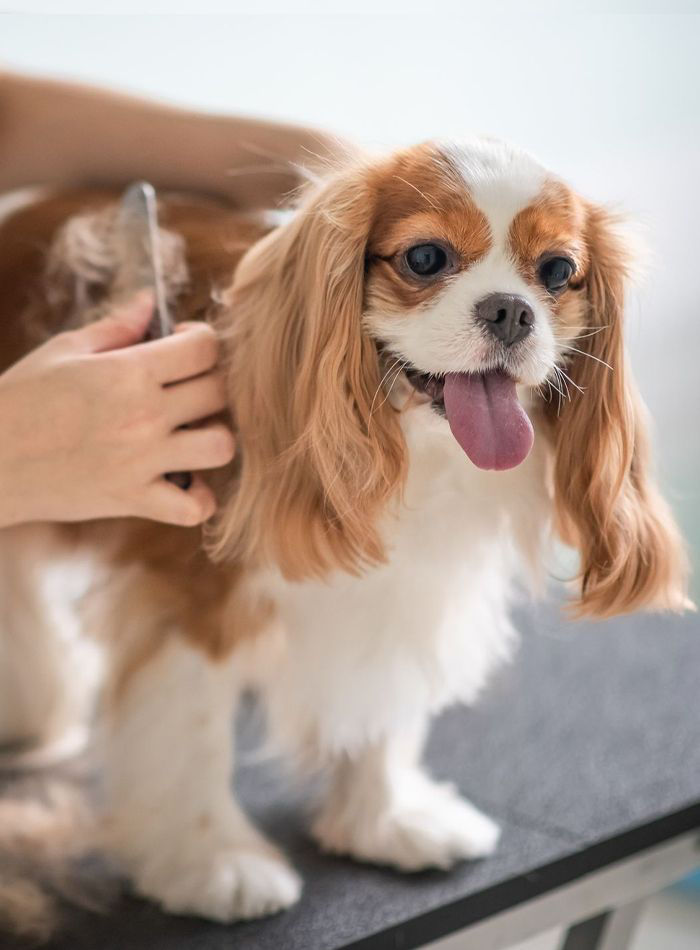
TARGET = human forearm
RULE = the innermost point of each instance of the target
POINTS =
(57, 132)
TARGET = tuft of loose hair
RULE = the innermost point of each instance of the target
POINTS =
(46, 832)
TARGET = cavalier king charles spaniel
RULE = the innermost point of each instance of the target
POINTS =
(427, 378)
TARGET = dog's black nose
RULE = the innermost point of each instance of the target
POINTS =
(507, 316)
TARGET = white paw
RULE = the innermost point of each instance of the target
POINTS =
(430, 828)
(225, 884)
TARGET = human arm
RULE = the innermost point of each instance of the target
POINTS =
(54, 132)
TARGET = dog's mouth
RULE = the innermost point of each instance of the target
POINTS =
(483, 412)
(429, 385)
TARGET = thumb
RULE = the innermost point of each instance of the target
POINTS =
(125, 326)
(186, 325)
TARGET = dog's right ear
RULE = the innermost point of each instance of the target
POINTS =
(320, 454)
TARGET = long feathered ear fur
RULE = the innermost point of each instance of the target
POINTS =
(607, 506)
(321, 450)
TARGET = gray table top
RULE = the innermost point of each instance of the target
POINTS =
(585, 749)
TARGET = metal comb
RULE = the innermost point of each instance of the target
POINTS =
(140, 266)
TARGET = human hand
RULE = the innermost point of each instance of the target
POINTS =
(89, 423)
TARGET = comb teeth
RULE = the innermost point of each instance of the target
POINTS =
(137, 243)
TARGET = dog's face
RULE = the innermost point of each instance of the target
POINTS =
(475, 272)
(474, 226)
(460, 273)
(476, 267)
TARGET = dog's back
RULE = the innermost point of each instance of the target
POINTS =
(57, 270)
(58, 259)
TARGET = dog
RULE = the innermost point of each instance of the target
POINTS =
(428, 381)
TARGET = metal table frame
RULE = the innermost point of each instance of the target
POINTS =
(601, 910)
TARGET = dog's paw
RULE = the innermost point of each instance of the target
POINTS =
(226, 884)
(433, 828)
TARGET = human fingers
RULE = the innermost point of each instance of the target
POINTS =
(123, 327)
(194, 399)
(181, 355)
(165, 502)
(209, 446)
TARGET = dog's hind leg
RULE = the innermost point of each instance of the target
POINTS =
(172, 821)
(48, 670)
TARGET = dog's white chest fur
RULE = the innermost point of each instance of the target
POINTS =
(361, 656)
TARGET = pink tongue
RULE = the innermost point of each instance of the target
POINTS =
(487, 420)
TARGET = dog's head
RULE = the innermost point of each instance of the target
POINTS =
(437, 281)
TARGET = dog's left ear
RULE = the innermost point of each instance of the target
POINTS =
(607, 505)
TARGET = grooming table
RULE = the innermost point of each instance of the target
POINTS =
(586, 750)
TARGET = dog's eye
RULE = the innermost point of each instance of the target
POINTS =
(556, 273)
(426, 260)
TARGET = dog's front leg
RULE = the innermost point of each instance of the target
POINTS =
(383, 807)
(172, 822)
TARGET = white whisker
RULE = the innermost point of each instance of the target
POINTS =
(575, 385)
(553, 385)
(421, 193)
(593, 331)
(381, 383)
(575, 349)
(393, 382)
(564, 383)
